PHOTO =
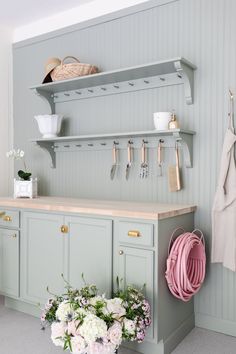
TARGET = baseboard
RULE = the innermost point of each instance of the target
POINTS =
(215, 324)
(169, 344)
(22, 306)
(178, 335)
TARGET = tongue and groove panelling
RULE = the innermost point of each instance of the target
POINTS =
(204, 32)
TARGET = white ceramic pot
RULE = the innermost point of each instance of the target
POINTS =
(161, 120)
(25, 189)
(49, 124)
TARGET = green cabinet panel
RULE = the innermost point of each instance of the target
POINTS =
(136, 267)
(90, 252)
(42, 256)
(9, 262)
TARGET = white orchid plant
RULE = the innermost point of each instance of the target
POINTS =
(20, 155)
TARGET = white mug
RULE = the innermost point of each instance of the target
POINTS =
(161, 120)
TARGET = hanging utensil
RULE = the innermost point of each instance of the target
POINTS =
(129, 163)
(174, 173)
(144, 164)
(114, 158)
(160, 157)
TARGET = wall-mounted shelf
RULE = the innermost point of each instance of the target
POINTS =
(175, 71)
(105, 141)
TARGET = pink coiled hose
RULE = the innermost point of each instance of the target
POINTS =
(186, 264)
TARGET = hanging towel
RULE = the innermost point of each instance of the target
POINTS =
(224, 206)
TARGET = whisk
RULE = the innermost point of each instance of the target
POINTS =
(144, 165)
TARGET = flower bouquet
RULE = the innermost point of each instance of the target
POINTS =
(84, 322)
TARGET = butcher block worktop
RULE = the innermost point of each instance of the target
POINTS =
(150, 211)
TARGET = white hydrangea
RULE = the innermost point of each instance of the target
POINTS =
(93, 328)
(64, 312)
(129, 326)
(78, 345)
(116, 307)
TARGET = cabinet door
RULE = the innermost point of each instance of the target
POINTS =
(136, 267)
(90, 252)
(43, 256)
(9, 262)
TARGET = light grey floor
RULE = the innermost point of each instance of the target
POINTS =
(21, 334)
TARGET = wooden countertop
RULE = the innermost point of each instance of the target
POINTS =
(137, 210)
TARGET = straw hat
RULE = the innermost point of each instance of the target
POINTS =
(50, 64)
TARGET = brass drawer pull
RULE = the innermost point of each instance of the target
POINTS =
(2, 213)
(134, 233)
(64, 229)
(7, 218)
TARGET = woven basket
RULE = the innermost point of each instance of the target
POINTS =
(72, 70)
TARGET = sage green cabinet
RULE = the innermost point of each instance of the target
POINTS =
(56, 244)
(136, 267)
(90, 252)
(42, 256)
(9, 262)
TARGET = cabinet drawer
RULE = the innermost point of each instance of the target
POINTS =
(136, 233)
(9, 218)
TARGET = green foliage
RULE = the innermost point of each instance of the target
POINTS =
(24, 175)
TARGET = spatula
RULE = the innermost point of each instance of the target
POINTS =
(129, 163)
(114, 158)
(174, 173)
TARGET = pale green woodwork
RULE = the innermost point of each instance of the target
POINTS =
(42, 256)
(144, 237)
(101, 249)
(9, 262)
(90, 252)
(136, 268)
(10, 218)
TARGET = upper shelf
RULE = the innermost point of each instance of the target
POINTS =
(157, 74)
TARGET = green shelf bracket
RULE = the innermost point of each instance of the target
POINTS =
(49, 148)
(46, 96)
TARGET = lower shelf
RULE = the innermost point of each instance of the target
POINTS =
(106, 141)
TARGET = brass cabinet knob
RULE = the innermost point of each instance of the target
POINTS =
(134, 233)
(121, 252)
(7, 218)
(64, 229)
(14, 236)
(2, 213)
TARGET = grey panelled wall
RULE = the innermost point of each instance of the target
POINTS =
(204, 32)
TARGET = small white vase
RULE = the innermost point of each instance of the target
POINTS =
(25, 189)
(49, 124)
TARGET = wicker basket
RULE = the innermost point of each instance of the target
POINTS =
(72, 70)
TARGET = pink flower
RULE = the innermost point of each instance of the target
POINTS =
(72, 328)
(115, 306)
(99, 348)
(140, 336)
(95, 348)
(57, 333)
(115, 334)
(129, 326)
(78, 345)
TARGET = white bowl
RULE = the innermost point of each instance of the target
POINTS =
(49, 124)
(161, 120)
